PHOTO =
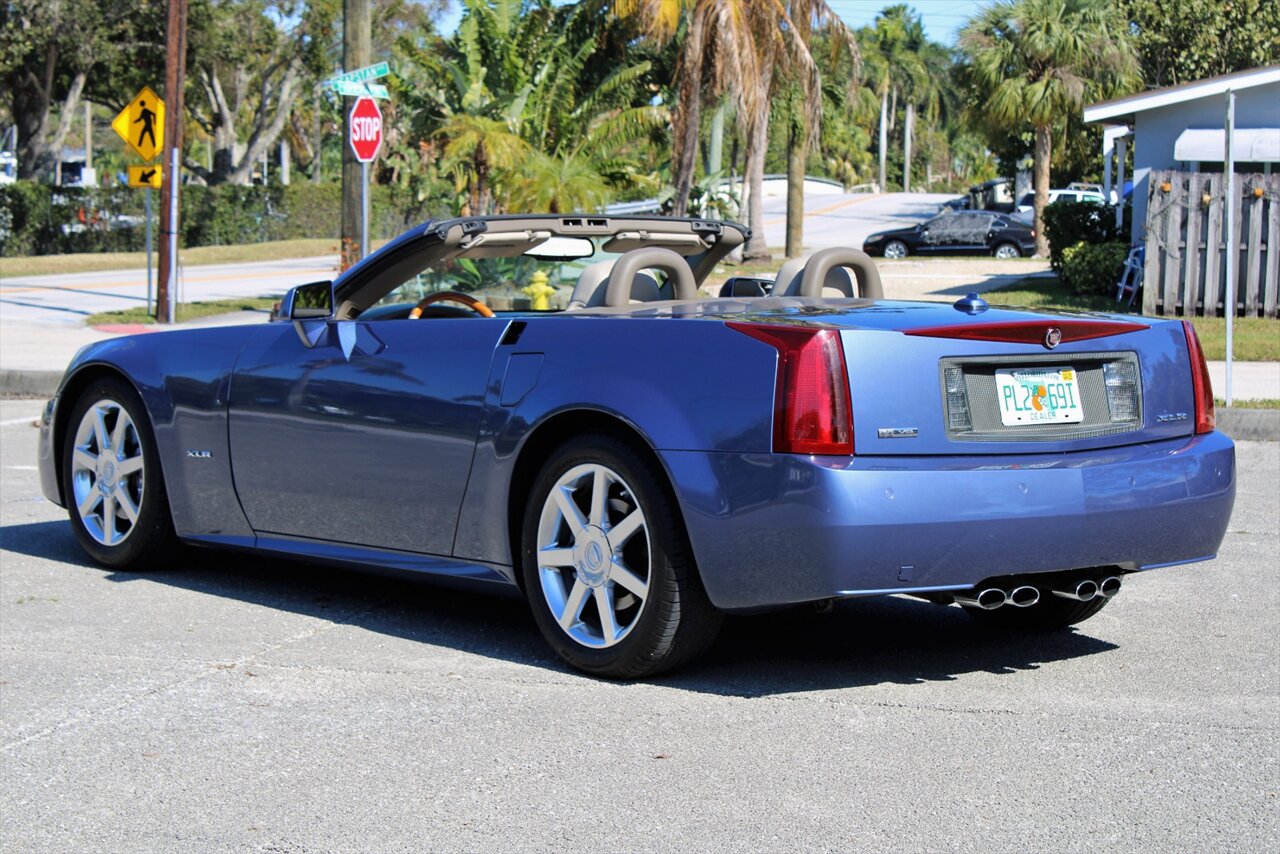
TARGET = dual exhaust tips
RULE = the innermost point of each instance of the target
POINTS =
(1026, 595)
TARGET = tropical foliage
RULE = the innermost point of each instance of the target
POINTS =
(555, 105)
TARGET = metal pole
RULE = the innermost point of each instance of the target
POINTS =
(173, 234)
(1120, 146)
(1229, 174)
(148, 195)
(364, 209)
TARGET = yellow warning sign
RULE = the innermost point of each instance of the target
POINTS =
(141, 124)
(145, 176)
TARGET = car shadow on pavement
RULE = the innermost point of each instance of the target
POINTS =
(858, 643)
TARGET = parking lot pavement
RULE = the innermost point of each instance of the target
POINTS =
(238, 703)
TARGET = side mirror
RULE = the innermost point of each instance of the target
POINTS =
(313, 300)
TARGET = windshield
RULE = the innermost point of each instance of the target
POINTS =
(497, 281)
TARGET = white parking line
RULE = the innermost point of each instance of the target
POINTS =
(14, 421)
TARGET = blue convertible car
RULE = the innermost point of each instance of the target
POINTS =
(643, 461)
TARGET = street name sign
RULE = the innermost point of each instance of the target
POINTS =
(141, 124)
(369, 72)
(359, 90)
(145, 176)
(366, 129)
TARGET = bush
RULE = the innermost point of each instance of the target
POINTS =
(1067, 223)
(38, 219)
(1093, 268)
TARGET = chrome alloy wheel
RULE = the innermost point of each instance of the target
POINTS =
(895, 249)
(594, 558)
(1007, 251)
(107, 472)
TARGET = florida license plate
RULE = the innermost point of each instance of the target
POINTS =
(1038, 396)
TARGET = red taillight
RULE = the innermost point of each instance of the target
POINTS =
(1205, 417)
(811, 402)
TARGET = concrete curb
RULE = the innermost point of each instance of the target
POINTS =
(29, 383)
(1256, 425)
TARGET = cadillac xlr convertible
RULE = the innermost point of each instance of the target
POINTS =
(642, 461)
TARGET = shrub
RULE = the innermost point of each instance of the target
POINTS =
(38, 219)
(1093, 268)
(1067, 223)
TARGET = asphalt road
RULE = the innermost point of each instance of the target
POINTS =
(233, 703)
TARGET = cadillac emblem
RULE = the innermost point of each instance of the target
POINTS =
(1052, 337)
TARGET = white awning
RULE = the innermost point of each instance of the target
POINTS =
(1248, 145)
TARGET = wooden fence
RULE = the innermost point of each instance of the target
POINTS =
(1185, 269)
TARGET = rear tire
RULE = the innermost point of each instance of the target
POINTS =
(111, 479)
(895, 249)
(607, 565)
(1051, 613)
(1006, 251)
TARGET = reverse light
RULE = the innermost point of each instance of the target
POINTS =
(811, 400)
(1201, 385)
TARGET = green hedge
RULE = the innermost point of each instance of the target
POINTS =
(1067, 223)
(37, 219)
(1093, 268)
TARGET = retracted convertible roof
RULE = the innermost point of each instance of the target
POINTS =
(702, 242)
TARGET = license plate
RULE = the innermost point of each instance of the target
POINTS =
(1038, 396)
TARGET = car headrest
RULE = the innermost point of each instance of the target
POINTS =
(814, 278)
(787, 282)
(589, 282)
(623, 284)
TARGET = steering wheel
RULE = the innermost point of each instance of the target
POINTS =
(451, 296)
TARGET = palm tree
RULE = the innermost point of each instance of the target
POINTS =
(1041, 60)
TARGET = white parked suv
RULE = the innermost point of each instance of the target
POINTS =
(1027, 202)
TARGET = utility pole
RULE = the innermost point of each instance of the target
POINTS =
(174, 72)
(357, 52)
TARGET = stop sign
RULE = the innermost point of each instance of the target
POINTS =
(366, 129)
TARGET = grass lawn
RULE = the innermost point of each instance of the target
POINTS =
(1257, 339)
(92, 262)
(185, 311)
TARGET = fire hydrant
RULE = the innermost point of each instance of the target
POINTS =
(538, 291)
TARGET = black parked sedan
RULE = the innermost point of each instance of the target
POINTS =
(962, 233)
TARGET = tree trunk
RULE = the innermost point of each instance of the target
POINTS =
(688, 114)
(884, 138)
(1044, 139)
(907, 127)
(757, 248)
(317, 137)
(796, 145)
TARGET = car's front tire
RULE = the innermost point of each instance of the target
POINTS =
(895, 249)
(111, 479)
(607, 565)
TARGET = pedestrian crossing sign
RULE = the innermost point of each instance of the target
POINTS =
(145, 176)
(141, 124)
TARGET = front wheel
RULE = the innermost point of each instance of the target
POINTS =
(607, 565)
(1007, 250)
(111, 479)
(895, 249)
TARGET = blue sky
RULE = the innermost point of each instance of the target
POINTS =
(942, 18)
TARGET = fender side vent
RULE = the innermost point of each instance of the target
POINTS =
(513, 333)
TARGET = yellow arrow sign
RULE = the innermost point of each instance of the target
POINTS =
(141, 124)
(145, 176)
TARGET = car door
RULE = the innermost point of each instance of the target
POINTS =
(933, 234)
(360, 432)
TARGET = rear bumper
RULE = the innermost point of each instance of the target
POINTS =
(774, 529)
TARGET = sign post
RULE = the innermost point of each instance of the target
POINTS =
(141, 125)
(366, 139)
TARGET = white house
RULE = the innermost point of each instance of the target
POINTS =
(1183, 127)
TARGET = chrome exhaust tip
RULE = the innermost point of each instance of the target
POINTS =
(988, 599)
(1109, 586)
(1082, 592)
(1024, 596)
